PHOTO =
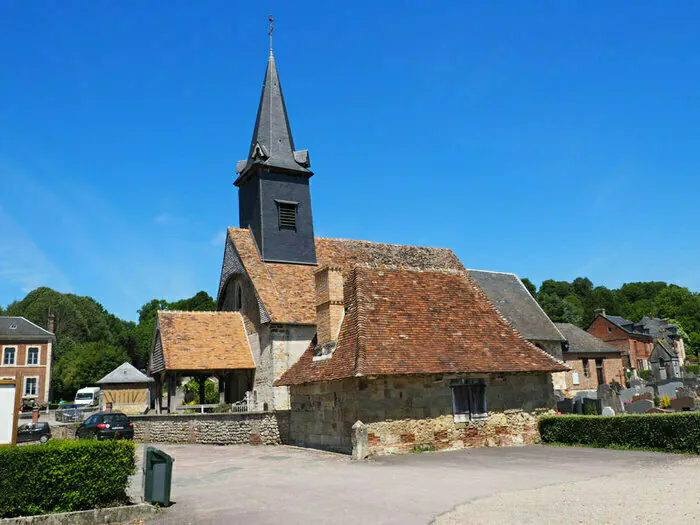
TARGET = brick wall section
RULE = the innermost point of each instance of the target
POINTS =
(612, 369)
(40, 371)
(255, 428)
(329, 302)
(412, 411)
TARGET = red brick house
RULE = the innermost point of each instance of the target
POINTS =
(26, 353)
(636, 347)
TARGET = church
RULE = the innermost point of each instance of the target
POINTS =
(335, 331)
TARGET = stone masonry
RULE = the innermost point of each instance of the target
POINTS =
(259, 428)
(403, 413)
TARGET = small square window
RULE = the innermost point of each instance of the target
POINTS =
(32, 356)
(9, 356)
(287, 215)
(469, 400)
(31, 386)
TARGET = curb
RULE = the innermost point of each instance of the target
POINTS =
(126, 514)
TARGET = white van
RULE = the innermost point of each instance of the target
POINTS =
(88, 396)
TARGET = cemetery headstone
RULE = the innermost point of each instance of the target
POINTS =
(608, 397)
(645, 395)
(669, 389)
(591, 407)
(683, 404)
(608, 411)
(566, 406)
(578, 406)
(639, 407)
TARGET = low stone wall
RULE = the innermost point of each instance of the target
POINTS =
(255, 428)
(508, 428)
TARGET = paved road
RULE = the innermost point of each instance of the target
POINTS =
(271, 485)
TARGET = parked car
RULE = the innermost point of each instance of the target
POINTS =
(106, 425)
(34, 432)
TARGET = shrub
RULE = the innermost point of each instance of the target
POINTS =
(678, 432)
(693, 369)
(645, 374)
(64, 476)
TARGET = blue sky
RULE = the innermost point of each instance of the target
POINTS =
(551, 139)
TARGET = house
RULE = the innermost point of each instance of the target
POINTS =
(593, 362)
(636, 340)
(127, 390)
(422, 358)
(27, 351)
(201, 345)
(514, 302)
(665, 363)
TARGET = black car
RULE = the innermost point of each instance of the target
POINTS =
(106, 425)
(34, 432)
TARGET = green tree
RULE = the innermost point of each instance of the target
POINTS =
(530, 287)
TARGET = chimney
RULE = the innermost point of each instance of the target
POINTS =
(600, 311)
(51, 326)
(329, 303)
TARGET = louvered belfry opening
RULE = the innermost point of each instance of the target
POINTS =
(287, 214)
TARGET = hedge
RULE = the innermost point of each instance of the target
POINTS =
(64, 476)
(672, 432)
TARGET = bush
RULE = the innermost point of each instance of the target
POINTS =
(671, 432)
(64, 476)
(645, 374)
(693, 369)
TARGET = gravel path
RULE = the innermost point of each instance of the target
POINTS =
(665, 494)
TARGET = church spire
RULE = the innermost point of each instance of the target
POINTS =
(272, 145)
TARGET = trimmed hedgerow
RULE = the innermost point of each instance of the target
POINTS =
(64, 476)
(672, 432)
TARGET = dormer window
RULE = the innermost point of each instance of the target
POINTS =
(287, 215)
(13, 326)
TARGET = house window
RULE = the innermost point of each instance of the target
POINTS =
(8, 357)
(31, 386)
(599, 371)
(33, 355)
(586, 369)
(662, 363)
(468, 400)
(640, 364)
(610, 329)
(287, 215)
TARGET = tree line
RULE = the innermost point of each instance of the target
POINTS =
(91, 342)
(576, 302)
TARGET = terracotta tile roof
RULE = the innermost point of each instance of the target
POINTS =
(204, 341)
(401, 322)
(287, 290)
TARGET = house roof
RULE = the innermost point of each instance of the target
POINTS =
(287, 291)
(581, 341)
(509, 295)
(20, 328)
(400, 322)
(125, 373)
(204, 341)
(662, 350)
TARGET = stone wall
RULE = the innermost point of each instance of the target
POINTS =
(416, 411)
(255, 428)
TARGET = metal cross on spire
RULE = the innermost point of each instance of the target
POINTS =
(272, 28)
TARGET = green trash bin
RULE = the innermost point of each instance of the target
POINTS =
(158, 475)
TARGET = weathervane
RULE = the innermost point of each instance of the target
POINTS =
(272, 28)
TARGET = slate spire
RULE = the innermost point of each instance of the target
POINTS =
(272, 144)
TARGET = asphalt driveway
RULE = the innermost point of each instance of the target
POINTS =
(246, 484)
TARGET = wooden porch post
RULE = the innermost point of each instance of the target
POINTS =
(222, 388)
(202, 391)
(171, 390)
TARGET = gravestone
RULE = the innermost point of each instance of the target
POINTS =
(686, 391)
(639, 407)
(559, 396)
(645, 395)
(591, 407)
(578, 406)
(566, 406)
(628, 394)
(608, 411)
(657, 410)
(683, 404)
(608, 397)
(635, 383)
(669, 389)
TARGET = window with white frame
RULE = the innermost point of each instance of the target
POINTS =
(31, 386)
(8, 357)
(468, 400)
(33, 355)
